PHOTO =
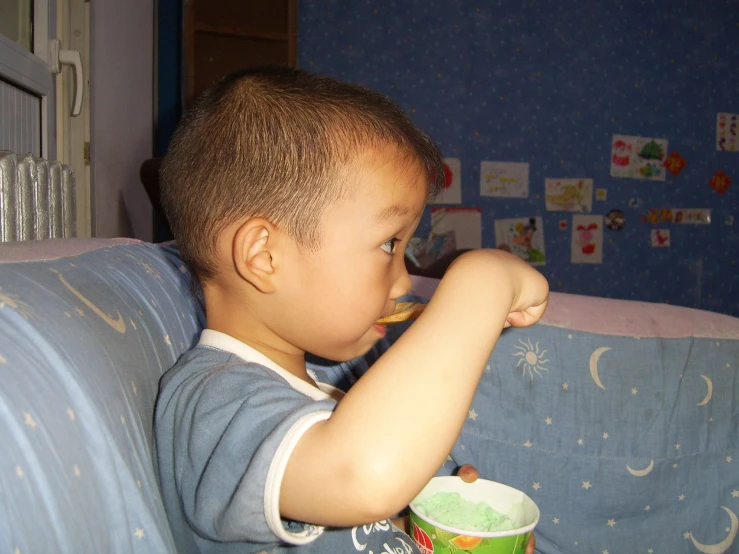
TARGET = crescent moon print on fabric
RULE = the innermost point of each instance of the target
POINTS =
(709, 394)
(117, 324)
(594, 357)
(641, 472)
(724, 545)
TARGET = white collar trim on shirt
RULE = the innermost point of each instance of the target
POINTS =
(227, 343)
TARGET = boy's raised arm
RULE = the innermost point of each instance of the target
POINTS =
(396, 426)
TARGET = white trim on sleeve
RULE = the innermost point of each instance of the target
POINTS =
(274, 481)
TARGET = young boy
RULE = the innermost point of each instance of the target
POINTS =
(292, 197)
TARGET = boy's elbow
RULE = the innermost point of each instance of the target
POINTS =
(378, 488)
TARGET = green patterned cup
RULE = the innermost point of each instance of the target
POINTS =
(433, 537)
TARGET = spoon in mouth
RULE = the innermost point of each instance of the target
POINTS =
(404, 311)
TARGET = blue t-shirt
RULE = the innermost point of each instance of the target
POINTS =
(227, 420)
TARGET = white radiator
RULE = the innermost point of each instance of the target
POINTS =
(37, 198)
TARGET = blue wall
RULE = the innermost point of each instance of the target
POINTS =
(549, 83)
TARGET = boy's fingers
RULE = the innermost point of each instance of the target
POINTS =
(532, 544)
(468, 473)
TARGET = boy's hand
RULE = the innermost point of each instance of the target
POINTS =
(529, 287)
(469, 474)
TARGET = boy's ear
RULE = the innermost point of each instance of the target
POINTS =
(253, 251)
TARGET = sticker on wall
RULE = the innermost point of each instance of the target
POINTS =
(465, 222)
(563, 225)
(675, 163)
(694, 216)
(655, 216)
(569, 195)
(615, 220)
(601, 195)
(587, 239)
(635, 202)
(727, 127)
(523, 236)
(660, 238)
(638, 157)
(720, 181)
(452, 191)
(505, 179)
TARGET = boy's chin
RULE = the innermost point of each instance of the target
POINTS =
(348, 354)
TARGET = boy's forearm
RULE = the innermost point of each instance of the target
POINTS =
(422, 387)
(427, 380)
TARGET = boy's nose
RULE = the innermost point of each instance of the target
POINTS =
(402, 282)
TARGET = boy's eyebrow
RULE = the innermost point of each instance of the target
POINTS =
(396, 210)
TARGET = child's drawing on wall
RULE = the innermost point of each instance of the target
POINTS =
(587, 239)
(727, 129)
(638, 157)
(523, 236)
(660, 238)
(569, 195)
(504, 179)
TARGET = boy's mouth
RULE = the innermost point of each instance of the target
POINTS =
(404, 311)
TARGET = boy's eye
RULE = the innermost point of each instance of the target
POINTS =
(389, 245)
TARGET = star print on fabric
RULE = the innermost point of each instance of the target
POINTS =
(71, 414)
(674, 465)
(473, 415)
(28, 420)
(580, 441)
(548, 421)
(536, 486)
(555, 521)
(647, 508)
(132, 323)
(735, 494)
(611, 523)
(19, 472)
(487, 367)
(3, 359)
(565, 386)
(586, 485)
(135, 390)
(634, 391)
(528, 444)
(728, 459)
(166, 340)
(76, 470)
(686, 534)
(650, 551)
(139, 534)
(681, 497)
(123, 420)
(605, 435)
(677, 446)
(569, 336)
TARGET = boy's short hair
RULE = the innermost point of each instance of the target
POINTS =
(272, 142)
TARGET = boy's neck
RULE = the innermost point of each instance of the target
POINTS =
(226, 316)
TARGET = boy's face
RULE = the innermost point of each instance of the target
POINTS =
(337, 293)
